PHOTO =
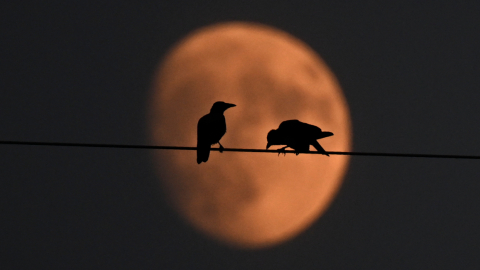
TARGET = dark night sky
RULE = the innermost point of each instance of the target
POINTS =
(80, 72)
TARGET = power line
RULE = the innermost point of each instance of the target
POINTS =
(127, 146)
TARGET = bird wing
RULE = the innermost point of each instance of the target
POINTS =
(300, 129)
(293, 136)
(307, 130)
(310, 131)
(289, 125)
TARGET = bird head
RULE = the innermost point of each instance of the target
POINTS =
(273, 138)
(220, 107)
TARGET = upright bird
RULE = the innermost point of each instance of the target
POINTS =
(211, 128)
(297, 135)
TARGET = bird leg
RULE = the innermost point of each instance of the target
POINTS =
(220, 148)
(282, 151)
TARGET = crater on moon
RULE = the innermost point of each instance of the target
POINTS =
(247, 200)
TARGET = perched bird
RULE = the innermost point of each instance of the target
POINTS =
(211, 128)
(297, 135)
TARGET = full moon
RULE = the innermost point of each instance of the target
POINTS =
(247, 200)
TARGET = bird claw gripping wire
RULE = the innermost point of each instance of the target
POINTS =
(282, 151)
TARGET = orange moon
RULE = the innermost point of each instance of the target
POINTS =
(247, 200)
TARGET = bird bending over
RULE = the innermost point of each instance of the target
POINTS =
(298, 136)
(211, 128)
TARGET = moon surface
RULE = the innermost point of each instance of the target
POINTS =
(247, 200)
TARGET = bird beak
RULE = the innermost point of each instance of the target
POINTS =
(229, 105)
(268, 145)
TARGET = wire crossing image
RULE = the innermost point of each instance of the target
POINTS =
(157, 147)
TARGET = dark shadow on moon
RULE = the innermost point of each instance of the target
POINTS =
(227, 197)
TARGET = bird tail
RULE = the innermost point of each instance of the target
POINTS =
(203, 152)
(324, 134)
(320, 148)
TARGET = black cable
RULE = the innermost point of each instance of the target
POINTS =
(231, 149)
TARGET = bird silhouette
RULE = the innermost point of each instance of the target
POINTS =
(297, 135)
(211, 128)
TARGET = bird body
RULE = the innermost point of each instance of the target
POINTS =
(298, 136)
(210, 129)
